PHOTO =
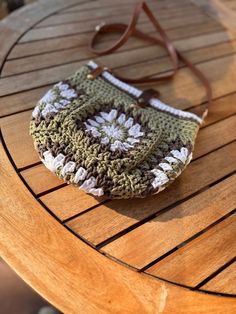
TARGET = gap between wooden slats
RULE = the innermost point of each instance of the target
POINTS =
(199, 258)
(154, 239)
(41, 180)
(223, 282)
(24, 101)
(33, 176)
(232, 185)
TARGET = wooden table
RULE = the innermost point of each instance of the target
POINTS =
(170, 253)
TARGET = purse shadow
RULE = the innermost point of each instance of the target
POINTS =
(159, 204)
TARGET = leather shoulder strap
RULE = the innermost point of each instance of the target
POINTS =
(131, 30)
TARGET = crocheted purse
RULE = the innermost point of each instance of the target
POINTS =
(109, 138)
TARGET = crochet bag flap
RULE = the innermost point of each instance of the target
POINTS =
(96, 131)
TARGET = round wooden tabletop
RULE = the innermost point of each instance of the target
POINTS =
(170, 253)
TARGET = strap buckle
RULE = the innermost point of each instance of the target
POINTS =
(145, 97)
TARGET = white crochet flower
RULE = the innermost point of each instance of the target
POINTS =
(180, 156)
(68, 94)
(160, 178)
(89, 187)
(62, 86)
(80, 175)
(36, 112)
(121, 133)
(48, 97)
(52, 163)
(65, 91)
(55, 99)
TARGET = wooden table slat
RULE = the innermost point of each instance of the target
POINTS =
(152, 66)
(14, 25)
(224, 281)
(137, 247)
(198, 259)
(21, 148)
(69, 201)
(21, 101)
(40, 180)
(15, 131)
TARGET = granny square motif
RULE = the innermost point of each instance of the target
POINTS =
(92, 134)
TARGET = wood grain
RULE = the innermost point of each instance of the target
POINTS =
(153, 65)
(69, 201)
(220, 11)
(86, 26)
(47, 45)
(224, 281)
(155, 238)
(221, 109)
(191, 92)
(198, 259)
(39, 179)
(15, 130)
(222, 132)
(14, 103)
(173, 92)
(21, 101)
(20, 143)
(14, 25)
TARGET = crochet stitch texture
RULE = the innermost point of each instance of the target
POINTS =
(89, 133)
